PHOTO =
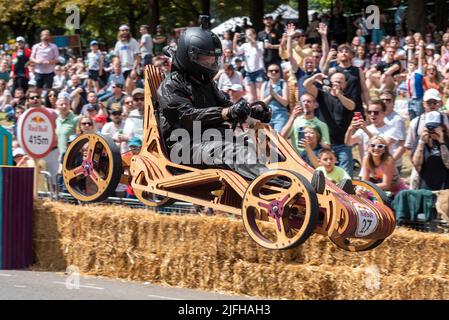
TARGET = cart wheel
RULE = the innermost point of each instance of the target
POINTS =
(92, 167)
(357, 245)
(280, 217)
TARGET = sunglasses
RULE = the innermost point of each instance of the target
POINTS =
(376, 113)
(138, 99)
(33, 97)
(128, 102)
(432, 102)
(274, 71)
(86, 123)
(124, 29)
(387, 100)
(116, 113)
(377, 146)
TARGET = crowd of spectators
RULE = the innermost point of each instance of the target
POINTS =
(385, 93)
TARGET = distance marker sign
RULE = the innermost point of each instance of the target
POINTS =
(36, 132)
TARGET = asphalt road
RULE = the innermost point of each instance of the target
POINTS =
(31, 285)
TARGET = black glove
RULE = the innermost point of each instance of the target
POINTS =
(260, 111)
(239, 111)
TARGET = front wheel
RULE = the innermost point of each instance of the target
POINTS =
(92, 167)
(280, 209)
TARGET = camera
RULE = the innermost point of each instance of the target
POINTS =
(204, 22)
(327, 82)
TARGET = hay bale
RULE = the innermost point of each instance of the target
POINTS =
(215, 253)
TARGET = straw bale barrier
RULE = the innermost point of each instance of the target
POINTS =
(215, 253)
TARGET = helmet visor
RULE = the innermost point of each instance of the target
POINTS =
(207, 61)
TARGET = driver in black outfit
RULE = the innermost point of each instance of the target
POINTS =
(188, 95)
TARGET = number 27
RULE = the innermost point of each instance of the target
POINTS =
(366, 225)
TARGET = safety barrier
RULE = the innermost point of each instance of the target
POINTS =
(16, 217)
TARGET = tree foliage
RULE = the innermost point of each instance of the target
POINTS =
(100, 19)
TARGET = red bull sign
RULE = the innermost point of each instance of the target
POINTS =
(36, 132)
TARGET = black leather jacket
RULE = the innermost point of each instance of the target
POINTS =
(182, 100)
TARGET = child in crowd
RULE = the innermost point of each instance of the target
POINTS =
(95, 59)
(327, 161)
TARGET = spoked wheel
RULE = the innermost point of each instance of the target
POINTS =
(280, 209)
(92, 167)
(377, 195)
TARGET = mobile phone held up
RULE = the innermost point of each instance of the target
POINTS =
(300, 136)
(357, 115)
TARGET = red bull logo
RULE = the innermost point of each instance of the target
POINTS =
(38, 124)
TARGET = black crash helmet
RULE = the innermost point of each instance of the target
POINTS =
(198, 53)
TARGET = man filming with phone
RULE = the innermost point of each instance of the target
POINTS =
(336, 110)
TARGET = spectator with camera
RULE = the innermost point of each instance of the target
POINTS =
(304, 115)
(336, 110)
(359, 132)
(356, 88)
(431, 157)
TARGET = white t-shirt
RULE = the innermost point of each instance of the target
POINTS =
(133, 126)
(253, 56)
(394, 119)
(110, 130)
(126, 52)
(147, 47)
(93, 59)
(224, 81)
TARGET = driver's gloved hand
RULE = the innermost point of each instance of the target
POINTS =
(261, 112)
(240, 110)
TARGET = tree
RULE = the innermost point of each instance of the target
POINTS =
(205, 7)
(303, 16)
(153, 6)
(256, 8)
(441, 14)
(416, 16)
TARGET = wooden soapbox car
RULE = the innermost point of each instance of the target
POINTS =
(274, 217)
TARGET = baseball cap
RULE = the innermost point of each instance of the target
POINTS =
(430, 46)
(20, 39)
(18, 152)
(432, 94)
(137, 91)
(117, 84)
(100, 118)
(92, 107)
(64, 96)
(268, 16)
(135, 142)
(93, 42)
(116, 107)
(433, 119)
